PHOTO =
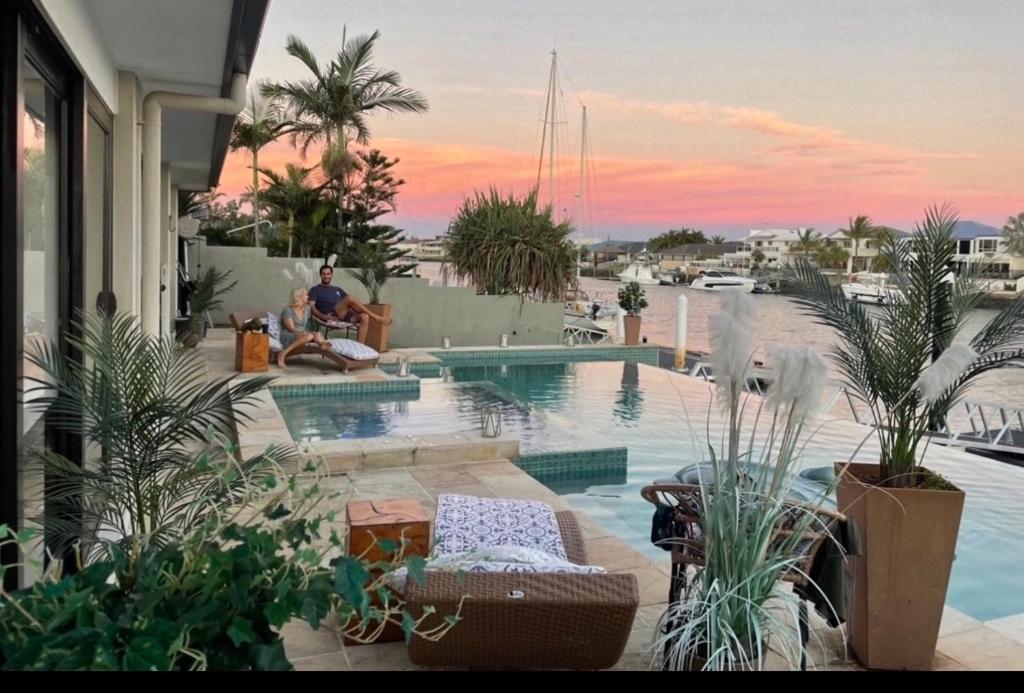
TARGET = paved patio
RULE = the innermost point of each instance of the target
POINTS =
(964, 643)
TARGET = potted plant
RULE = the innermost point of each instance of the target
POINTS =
(206, 296)
(903, 362)
(752, 530)
(373, 272)
(632, 300)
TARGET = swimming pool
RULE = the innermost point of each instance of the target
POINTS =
(569, 406)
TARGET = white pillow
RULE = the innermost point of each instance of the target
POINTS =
(275, 345)
(499, 559)
(465, 523)
(357, 351)
(273, 327)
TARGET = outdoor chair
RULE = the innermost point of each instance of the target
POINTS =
(527, 620)
(326, 326)
(367, 357)
(678, 508)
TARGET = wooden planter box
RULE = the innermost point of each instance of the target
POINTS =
(376, 333)
(252, 352)
(908, 538)
(632, 323)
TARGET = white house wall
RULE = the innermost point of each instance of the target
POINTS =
(83, 40)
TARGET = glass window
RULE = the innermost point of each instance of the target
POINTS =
(97, 211)
(42, 166)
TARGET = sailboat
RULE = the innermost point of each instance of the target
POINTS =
(585, 319)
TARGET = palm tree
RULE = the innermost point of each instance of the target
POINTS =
(807, 242)
(718, 240)
(510, 246)
(332, 106)
(881, 355)
(256, 127)
(291, 195)
(859, 229)
(1013, 234)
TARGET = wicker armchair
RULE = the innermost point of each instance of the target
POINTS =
(528, 620)
(686, 538)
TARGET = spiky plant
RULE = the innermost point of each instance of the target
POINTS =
(752, 533)
(147, 409)
(509, 245)
(881, 353)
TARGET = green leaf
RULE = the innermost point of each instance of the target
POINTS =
(417, 566)
(277, 614)
(389, 546)
(241, 631)
(271, 657)
(146, 654)
(350, 576)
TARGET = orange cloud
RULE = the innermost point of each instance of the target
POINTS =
(818, 176)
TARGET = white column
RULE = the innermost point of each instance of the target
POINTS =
(681, 311)
(172, 258)
(165, 247)
(620, 326)
(151, 225)
(126, 196)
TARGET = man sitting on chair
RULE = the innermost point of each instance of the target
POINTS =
(331, 304)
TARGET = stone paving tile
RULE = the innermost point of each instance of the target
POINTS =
(1010, 626)
(300, 640)
(954, 621)
(335, 661)
(983, 649)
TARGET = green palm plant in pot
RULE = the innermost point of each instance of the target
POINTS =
(147, 409)
(207, 295)
(632, 300)
(373, 273)
(752, 531)
(905, 361)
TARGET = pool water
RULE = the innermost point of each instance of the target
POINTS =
(662, 418)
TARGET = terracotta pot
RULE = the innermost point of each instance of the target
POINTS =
(908, 538)
(376, 333)
(632, 330)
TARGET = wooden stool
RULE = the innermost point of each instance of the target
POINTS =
(398, 520)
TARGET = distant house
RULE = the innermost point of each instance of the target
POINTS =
(985, 246)
(692, 253)
(867, 247)
(614, 251)
(773, 244)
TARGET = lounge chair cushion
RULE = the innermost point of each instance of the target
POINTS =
(465, 523)
(349, 348)
(509, 559)
(274, 327)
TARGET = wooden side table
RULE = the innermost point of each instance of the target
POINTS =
(252, 352)
(398, 520)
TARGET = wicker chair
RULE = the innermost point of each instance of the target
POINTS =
(684, 534)
(346, 364)
(528, 620)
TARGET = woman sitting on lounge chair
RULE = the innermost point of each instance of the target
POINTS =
(294, 321)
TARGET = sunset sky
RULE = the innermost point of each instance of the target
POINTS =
(723, 116)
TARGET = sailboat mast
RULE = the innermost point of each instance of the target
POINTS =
(583, 159)
(550, 105)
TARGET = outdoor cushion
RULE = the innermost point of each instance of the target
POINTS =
(274, 328)
(349, 348)
(464, 523)
(275, 344)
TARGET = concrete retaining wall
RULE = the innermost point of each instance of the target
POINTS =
(423, 314)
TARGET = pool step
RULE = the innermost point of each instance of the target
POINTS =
(412, 451)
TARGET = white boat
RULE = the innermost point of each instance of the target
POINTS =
(718, 280)
(641, 271)
(581, 311)
(868, 287)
